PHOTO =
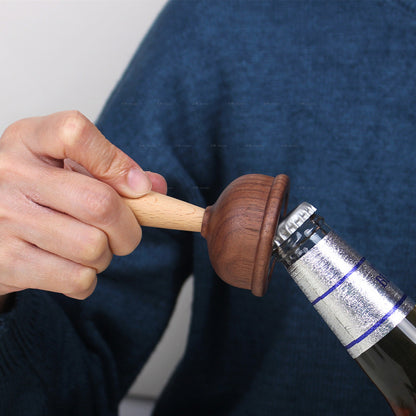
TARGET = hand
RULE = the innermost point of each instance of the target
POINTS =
(61, 214)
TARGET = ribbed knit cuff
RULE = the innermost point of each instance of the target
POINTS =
(20, 329)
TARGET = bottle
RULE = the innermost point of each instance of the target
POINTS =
(373, 319)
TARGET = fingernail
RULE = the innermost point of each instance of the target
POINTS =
(138, 182)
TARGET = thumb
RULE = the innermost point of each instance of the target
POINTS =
(70, 135)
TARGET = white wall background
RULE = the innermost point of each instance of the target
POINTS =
(66, 54)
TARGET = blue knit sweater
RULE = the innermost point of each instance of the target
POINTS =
(324, 91)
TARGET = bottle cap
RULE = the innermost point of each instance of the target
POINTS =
(292, 222)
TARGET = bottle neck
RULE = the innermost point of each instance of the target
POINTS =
(359, 304)
(306, 236)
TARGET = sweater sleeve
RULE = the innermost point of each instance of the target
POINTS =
(60, 356)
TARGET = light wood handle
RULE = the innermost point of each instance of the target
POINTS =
(162, 211)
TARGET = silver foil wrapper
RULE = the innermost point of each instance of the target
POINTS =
(359, 304)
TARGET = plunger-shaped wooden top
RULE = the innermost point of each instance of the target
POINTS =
(239, 227)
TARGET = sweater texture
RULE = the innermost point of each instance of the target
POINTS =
(324, 91)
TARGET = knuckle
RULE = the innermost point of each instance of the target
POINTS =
(84, 295)
(102, 205)
(13, 130)
(131, 242)
(73, 127)
(94, 244)
(106, 164)
(82, 283)
(137, 238)
(104, 262)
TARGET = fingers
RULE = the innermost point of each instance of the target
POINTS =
(71, 135)
(84, 244)
(48, 250)
(31, 267)
(158, 182)
(91, 202)
(61, 214)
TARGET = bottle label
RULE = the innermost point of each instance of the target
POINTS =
(359, 304)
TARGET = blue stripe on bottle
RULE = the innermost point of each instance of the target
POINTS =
(340, 282)
(378, 323)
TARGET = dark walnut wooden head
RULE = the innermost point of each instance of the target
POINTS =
(239, 229)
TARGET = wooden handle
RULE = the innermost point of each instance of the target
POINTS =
(162, 211)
